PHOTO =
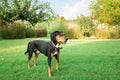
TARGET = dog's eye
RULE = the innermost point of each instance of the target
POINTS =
(62, 34)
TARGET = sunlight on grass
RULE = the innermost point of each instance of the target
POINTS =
(13, 48)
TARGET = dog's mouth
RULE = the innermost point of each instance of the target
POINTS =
(64, 42)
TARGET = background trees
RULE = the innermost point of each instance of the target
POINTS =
(29, 10)
(16, 15)
(107, 15)
(86, 25)
(106, 11)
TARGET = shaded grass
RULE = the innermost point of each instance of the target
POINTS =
(79, 60)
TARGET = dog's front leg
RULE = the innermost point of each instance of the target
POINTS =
(49, 66)
(57, 62)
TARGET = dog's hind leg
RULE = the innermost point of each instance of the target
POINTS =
(28, 62)
(35, 58)
(29, 57)
(31, 50)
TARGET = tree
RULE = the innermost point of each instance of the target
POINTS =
(106, 11)
(86, 25)
(29, 10)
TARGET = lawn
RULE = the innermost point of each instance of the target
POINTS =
(79, 60)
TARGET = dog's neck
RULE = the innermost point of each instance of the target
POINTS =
(56, 45)
(54, 42)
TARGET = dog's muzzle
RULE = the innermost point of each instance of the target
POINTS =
(66, 40)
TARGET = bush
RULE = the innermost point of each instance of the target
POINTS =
(58, 26)
(108, 32)
(71, 32)
(22, 29)
(102, 33)
(41, 29)
(75, 31)
(41, 32)
(29, 32)
(114, 32)
(13, 32)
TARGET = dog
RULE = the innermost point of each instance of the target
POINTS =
(49, 49)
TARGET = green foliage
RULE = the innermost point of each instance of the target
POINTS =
(13, 32)
(20, 29)
(41, 32)
(55, 25)
(59, 25)
(114, 32)
(106, 11)
(29, 10)
(41, 29)
(74, 29)
(108, 32)
(102, 33)
(86, 25)
(29, 32)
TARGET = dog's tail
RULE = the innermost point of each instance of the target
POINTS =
(27, 48)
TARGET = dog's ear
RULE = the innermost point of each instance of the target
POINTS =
(53, 36)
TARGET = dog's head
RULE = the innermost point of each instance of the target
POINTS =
(58, 37)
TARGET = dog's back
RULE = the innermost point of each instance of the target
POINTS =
(40, 45)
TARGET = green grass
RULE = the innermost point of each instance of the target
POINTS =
(79, 60)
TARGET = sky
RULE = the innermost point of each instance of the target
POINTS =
(70, 9)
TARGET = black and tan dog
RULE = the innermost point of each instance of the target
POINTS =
(49, 49)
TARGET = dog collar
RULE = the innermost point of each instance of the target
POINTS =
(55, 46)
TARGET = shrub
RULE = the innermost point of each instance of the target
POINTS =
(102, 33)
(41, 32)
(58, 26)
(13, 32)
(29, 32)
(108, 32)
(18, 32)
(41, 29)
(0, 33)
(5, 33)
(72, 32)
(22, 29)
(114, 32)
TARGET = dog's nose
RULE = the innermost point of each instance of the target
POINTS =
(66, 39)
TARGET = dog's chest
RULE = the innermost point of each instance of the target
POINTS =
(56, 49)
